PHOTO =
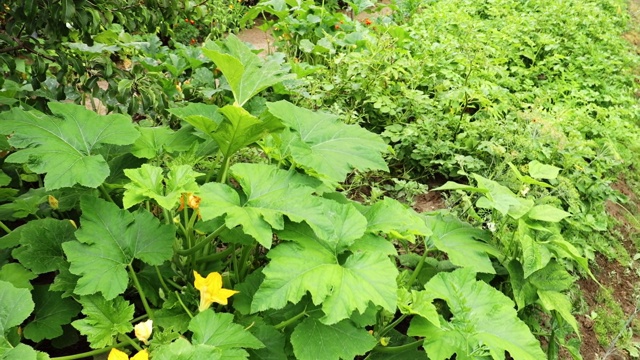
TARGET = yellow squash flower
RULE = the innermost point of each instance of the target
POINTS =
(143, 331)
(211, 290)
(116, 354)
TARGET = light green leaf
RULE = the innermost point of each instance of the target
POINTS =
(270, 193)
(52, 311)
(4, 178)
(502, 199)
(325, 146)
(151, 141)
(41, 244)
(451, 185)
(527, 179)
(22, 352)
(418, 303)
(105, 319)
(312, 339)
(240, 129)
(148, 182)
(390, 217)
(17, 275)
(482, 316)
(109, 240)
(542, 171)
(553, 300)
(65, 149)
(182, 349)
(374, 243)
(219, 330)
(547, 213)
(246, 73)
(15, 306)
(341, 287)
(349, 225)
(203, 117)
(462, 243)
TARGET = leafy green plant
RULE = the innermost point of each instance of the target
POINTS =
(288, 260)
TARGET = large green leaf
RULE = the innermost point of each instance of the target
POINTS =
(349, 226)
(17, 275)
(240, 129)
(461, 242)
(482, 317)
(15, 306)
(246, 73)
(219, 330)
(65, 149)
(539, 170)
(41, 244)
(110, 239)
(325, 146)
(52, 311)
(312, 340)
(148, 182)
(341, 286)
(105, 319)
(270, 193)
(392, 218)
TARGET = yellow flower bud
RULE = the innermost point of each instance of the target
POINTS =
(53, 202)
(143, 331)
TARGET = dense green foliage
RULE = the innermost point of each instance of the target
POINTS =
(213, 160)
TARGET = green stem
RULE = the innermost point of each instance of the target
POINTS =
(246, 251)
(89, 353)
(167, 216)
(183, 305)
(4, 227)
(161, 278)
(217, 256)
(136, 283)
(131, 342)
(392, 325)
(105, 193)
(288, 322)
(398, 349)
(222, 175)
(202, 243)
(418, 268)
(139, 318)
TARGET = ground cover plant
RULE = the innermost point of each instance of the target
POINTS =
(211, 213)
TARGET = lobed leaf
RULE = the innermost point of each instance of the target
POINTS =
(64, 146)
(52, 312)
(482, 317)
(326, 147)
(105, 319)
(15, 306)
(109, 239)
(341, 286)
(462, 243)
(270, 193)
(312, 339)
